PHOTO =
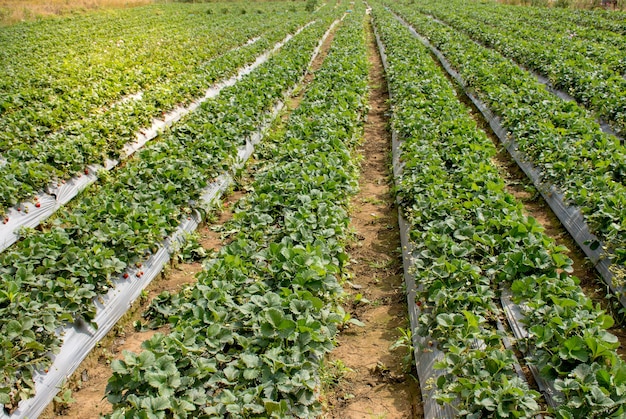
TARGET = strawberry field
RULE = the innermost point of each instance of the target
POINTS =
(120, 132)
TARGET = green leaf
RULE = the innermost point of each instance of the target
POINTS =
(156, 379)
(574, 347)
(488, 403)
(441, 380)
(472, 320)
(5, 398)
(13, 329)
(286, 328)
(561, 261)
(446, 320)
(155, 404)
(606, 321)
(251, 374)
(275, 317)
(275, 408)
(231, 373)
(356, 322)
(250, 360)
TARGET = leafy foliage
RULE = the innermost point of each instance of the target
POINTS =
(441, 190)
(52, 276)
(248, 339)
(73, 105)
(557, 137)
(470, 239)
(588, 64)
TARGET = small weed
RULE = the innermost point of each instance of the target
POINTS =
(373, 201)
(377, 303)
(191, 250)
(331, 374)
(380, 264)
(143, 296)
(359, 299)
(405, 341)
(62, 401)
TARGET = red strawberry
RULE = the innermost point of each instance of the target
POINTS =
(6, 220)
(38, 204)
(126, 275)
(86, 171)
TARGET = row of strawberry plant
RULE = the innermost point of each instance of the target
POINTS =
(591, 43)
(597, 39)
(32, 212)
(57, 70)
(601, 20)
(247, 340)
(471, 238)
(91, 140)
(456, 301)
(557, 137)
(80, 338)
(52, 275)
(41, 92)
(592, 74)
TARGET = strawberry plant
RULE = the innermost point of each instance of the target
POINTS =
(457, 303)
(470, 240)
(557, 137)
(248, 339)
(53, 275)
(590, 71)
(93, 110)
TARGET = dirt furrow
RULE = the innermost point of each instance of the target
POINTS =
(370, 379)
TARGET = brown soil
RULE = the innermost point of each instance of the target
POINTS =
(372, 379)
(89, 382)
(13, 11)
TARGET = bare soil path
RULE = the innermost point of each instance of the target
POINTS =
(377, 381)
